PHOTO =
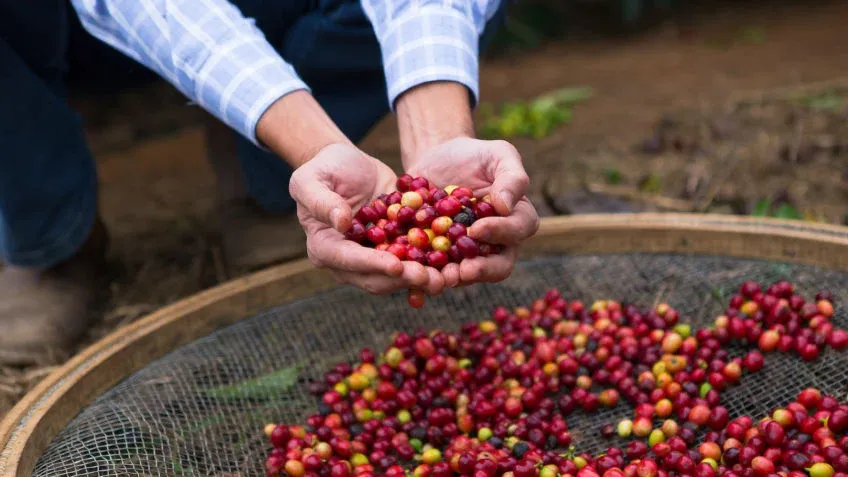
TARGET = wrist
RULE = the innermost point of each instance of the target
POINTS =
(431, 114)
(296, 127)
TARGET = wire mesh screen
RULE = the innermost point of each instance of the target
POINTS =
(201, 409)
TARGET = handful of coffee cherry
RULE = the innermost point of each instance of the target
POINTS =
(423, 223)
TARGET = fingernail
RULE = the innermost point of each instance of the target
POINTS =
(335, 217)
(478, 233)
(506, 196)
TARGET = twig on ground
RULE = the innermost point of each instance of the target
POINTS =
(218, 261)
(796, 142)
(38, 373)
(745, 98)
(124, 313)
(730, 161)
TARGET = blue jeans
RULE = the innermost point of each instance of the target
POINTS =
(48, 177)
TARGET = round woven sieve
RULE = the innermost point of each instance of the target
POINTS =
(200, 409)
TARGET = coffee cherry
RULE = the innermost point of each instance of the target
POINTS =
(455, 231)
(356, 232)
(809, 352)
(405, 215)
(425, 216)
(418, 238)
(280, 436)
(466, 218)
(294, 468)
(768, 340)
(810, 398)
(483, 209)
(467, 246)
(441, 244)
(441, 225)
(419, 183)
(448, 207)
(398, 250)
(753, 361)
(416, 254)
(416, 298)
(412, 200)
(437, 259)
(838, 339)
(494, 395)
(376, 235)
(821, 469)
(404, 182)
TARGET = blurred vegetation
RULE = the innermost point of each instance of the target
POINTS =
(535, 118)
(532, 22)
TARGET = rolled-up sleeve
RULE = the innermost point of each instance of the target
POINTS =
(429, 40)
(206, 48)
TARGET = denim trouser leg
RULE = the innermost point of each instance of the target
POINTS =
(335, 51)
(47, 173)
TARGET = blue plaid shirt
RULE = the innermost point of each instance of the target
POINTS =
(221, 61)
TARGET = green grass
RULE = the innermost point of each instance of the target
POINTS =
(765, 208)
(536, 118)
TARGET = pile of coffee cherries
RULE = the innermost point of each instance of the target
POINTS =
(424, 224)
(494, 398)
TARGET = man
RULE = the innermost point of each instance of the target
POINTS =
(300, 81)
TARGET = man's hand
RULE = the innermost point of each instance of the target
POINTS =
(333, 178)
(493, 168)
(328, 188)
(436, 130)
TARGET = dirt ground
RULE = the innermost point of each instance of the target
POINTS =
(706, 117)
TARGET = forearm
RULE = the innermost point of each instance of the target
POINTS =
(431, 114)
(295, 128)
(206, 48)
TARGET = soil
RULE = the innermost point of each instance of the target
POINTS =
(736, 105)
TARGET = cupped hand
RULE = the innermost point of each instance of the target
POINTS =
(338, 180)
(487, 167)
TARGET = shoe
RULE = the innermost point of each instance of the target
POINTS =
(253, 239)
(44, 313)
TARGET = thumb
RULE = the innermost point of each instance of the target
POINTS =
(510, 181)
(321, 202)
(508, 188)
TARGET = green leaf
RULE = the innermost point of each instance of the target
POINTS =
(613, 176)
(565, 96)
(268, 386)
(786, 211)
(829, 101)
(651, 184)
(762, 208)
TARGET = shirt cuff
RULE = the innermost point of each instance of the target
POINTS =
(430, 43)
(239, 82)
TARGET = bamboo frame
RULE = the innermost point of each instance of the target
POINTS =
(29, 427)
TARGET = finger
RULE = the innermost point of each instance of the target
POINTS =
(415, 274)
(378, 284)
(321, 202)
(510, 179)
(493, 268)
(436, 283)
(451, 275)
(371, 283)
(331, 250)
(520, 225)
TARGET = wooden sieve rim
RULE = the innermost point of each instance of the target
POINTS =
(28, 428)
